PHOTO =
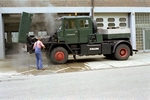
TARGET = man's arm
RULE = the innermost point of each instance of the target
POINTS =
(42, 45)
(34, 45)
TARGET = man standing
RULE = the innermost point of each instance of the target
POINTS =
(37, 46)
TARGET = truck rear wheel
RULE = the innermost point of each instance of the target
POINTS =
(59, 55)
(122, 52)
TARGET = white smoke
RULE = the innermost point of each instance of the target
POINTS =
(44, 22)
(50, 23)
(40, 22)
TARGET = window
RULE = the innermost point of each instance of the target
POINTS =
(122, 22)
(111, 19)
(14, 37)
(100, 24)
(31, 33)
(111, 24)
(122, 19)
(122, 25)
(5, 36)
(42, 33)
(99, 20)
(84, 23)
(70, 24)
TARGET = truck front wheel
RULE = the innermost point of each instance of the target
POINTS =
(59, 55)
(122, 52)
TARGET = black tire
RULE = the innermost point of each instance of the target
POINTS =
(59, 55)
(94, 26)
(122, 52)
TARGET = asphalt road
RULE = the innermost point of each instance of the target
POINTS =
(127, 83)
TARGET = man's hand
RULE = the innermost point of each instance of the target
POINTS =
(44, 46)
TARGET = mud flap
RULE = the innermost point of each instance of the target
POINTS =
(24, 27)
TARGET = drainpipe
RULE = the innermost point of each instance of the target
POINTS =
(92, 9)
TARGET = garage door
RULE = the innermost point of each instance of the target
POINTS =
(111, 20)
(24, 27)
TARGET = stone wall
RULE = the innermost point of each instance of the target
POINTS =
(75, 3)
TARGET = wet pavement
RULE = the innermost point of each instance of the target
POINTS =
(24, 64)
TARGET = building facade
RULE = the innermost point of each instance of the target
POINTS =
(134, 14)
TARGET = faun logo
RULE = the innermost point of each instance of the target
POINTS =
(93, 48)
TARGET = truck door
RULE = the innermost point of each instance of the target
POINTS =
(24, 27)
(85, 29)
(70, 31)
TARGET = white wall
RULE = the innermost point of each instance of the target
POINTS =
(2, 46)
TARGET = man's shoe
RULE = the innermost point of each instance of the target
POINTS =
(43, 69)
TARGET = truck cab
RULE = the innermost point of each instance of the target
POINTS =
(75, 29)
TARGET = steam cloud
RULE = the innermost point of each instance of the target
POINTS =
(40, 22)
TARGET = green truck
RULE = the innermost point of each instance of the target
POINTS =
(78, 35)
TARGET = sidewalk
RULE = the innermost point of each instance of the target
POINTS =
(16, 65)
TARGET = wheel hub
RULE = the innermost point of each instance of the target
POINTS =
(123, 52)
(59, 56)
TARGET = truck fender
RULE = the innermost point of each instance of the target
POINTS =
(123, 42)
(60, 45)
